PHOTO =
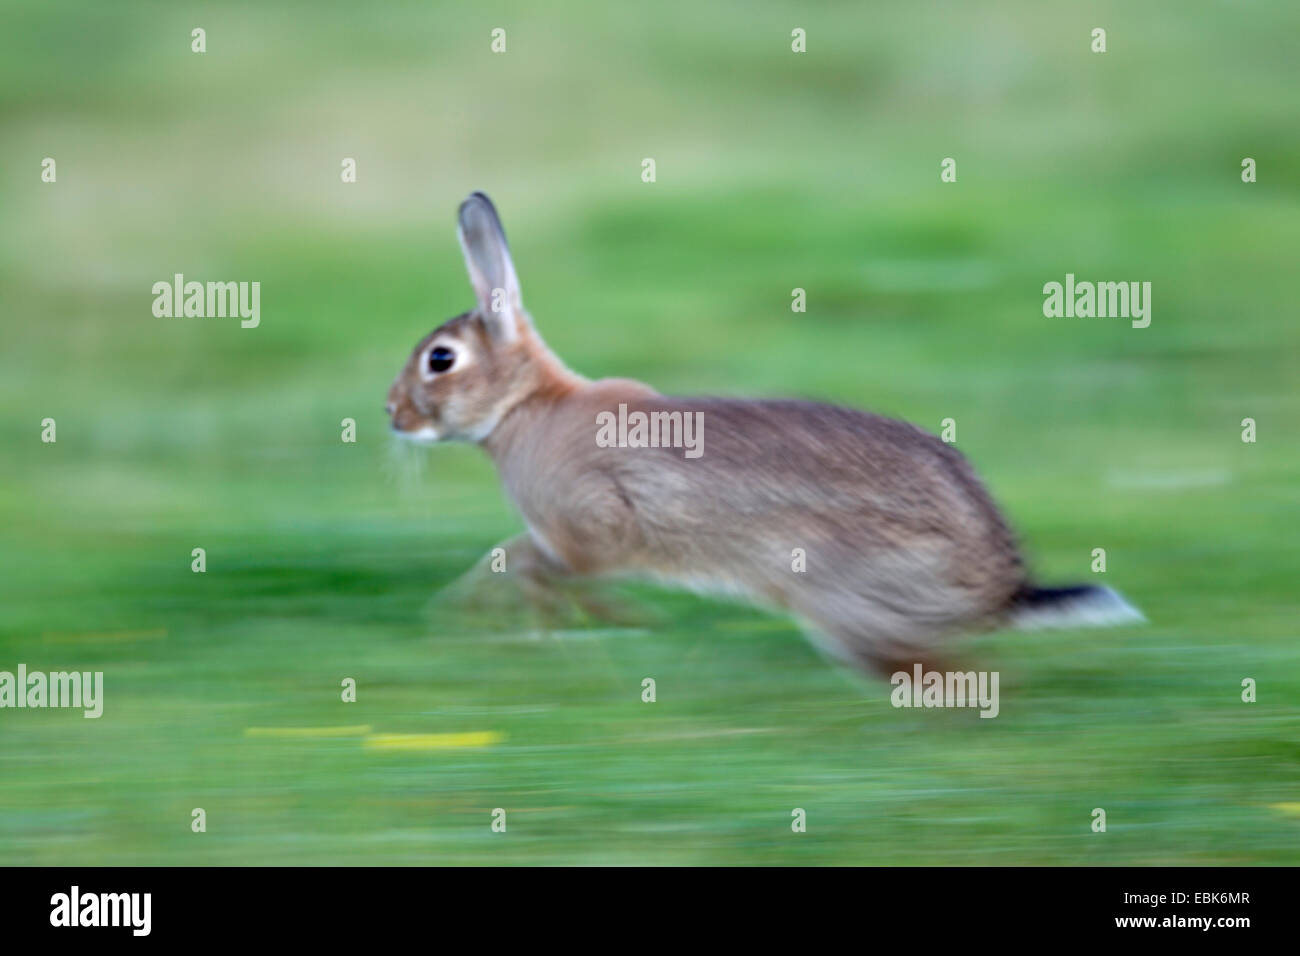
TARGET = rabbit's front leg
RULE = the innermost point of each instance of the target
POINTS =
(519, 574)
(493, 588)
(552, 589)
(538, 576)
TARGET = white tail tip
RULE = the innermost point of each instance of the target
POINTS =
(1074, 607)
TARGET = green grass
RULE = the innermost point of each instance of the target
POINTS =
(818, 171)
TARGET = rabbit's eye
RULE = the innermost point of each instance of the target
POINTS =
(441, 359)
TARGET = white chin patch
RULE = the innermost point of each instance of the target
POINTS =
(427, 435)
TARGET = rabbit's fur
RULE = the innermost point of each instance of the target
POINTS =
(902, 543)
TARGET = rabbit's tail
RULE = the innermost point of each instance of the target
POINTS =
(1078, 606)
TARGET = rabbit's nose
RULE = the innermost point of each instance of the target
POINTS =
(390, 408)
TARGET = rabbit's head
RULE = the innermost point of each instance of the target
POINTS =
(465, 375)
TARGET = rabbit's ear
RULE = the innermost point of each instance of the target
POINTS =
(487, 257)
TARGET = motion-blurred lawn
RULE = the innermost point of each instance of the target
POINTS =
(775, 171)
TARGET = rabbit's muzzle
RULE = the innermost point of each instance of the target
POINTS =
(405, 419)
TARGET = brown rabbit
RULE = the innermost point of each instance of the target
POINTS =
(875, 533)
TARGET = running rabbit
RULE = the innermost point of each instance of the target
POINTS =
(875, 533)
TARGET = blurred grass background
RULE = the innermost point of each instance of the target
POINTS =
(775, 171)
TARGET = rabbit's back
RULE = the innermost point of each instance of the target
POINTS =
(800, 503)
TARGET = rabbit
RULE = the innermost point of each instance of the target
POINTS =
(900, 544)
